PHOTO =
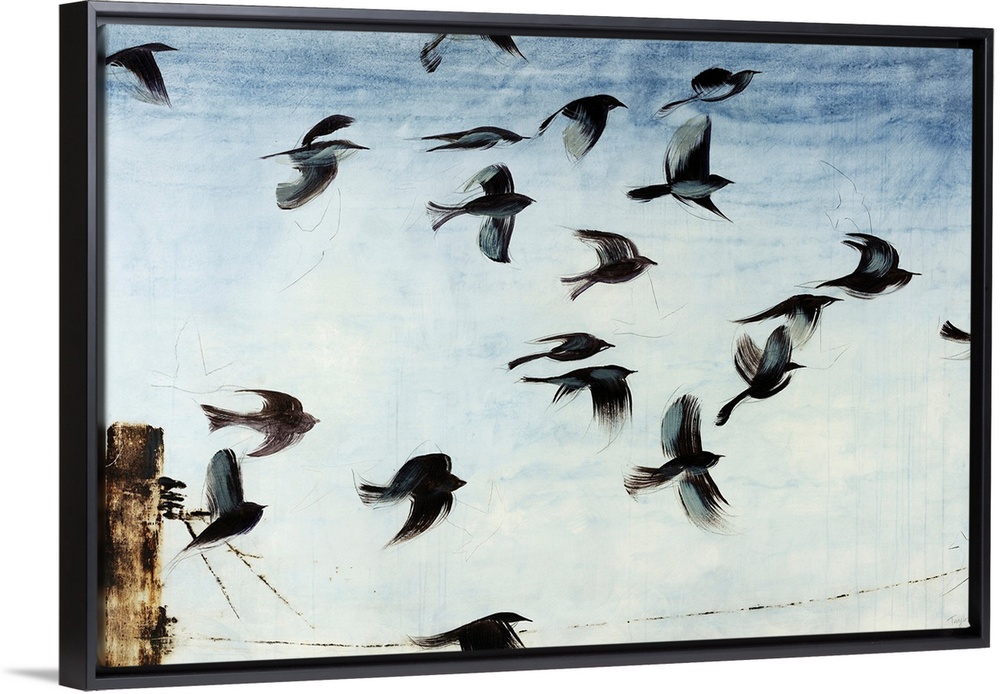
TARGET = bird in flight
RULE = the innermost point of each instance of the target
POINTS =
(878, 270)
(618, 258)
(281, 420)
(951, 333)
(609, 392)
(428, 482)
(483, 137)
(587, 119)
(140, 62)
(687, 467)
(317, 162)
(494, 632)
(801, 313)
(571, 347)
(231, 515)
(687, 169)
(497, 206)
(713, 84)
(766, 371)
(430, 54)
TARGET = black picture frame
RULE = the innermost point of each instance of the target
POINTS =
(82, 433)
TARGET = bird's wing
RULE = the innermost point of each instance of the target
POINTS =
(878, 257)
(779, 310)
(566, 339)
(585, 127)
(495, 179)
(426, 511)
(611, 248)
(494, 238)
(611, 396)
(703, 502)
(747, 357)
(687, 153)
(141, 63)
(238, 522)
(505, 43)
(950, 332)
(312, 181)
(276, 439)
(326, 126)
(449, 137)
(709, 83)
(647, 479)
(680, 430)
(275, 402)
(489, 635)
(438, 640)
(223, 484)
(429, 56)
(777, 354)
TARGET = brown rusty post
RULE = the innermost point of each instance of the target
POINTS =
(133, 621)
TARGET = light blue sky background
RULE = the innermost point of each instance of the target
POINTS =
(851, 481)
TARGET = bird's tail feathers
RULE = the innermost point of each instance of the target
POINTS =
(647, 193)
(643, 479)
(442, 213)
(584, 285)
(667, 108)
(523, 360)
(728, 408)
(218, 418)
(371, 494)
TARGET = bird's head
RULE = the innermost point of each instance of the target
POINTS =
(645, 261)
(454, 483)
(602, 345)
(791, 366)
(610, 102)
(717, 181)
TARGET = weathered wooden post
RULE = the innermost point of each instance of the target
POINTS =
(133, 622)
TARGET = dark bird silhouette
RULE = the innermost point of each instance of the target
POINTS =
(317, 161)
(231, 515)
(428, 482)
(801, 313)
(571, 347)
(687, 168)
(609, 392)
(490, 633)
(587, 119)
(687, 465)
(483, 137)
(430, 54)
(713, 84)
(878, 269)
(140, 62)
(950, 332)
(498, 205)
(618, 257)
(766, 371)
(281, 421)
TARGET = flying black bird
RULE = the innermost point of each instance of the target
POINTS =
(687, 465)
(281, 421)
(498, 205)
(950, 332)
(140, 62)
(489, 633)
(587, 119)
(571, 347)
(689, 177)
(430, 56)
(766, 372)
(619, 261)
(609, 392)
(428, 481)
(801, 313)
(230, 514)
(713, 84)
(878, 269)
(483, 137)
(317, 162)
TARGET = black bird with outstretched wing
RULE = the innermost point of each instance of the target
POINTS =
(483, 137)
(497, 206)
(801, 314)
(618, 258)
(428, 482)
(878, 270)
(766, 371)
(494, 632)
(609, 392)
(430, 53)
(687, 467)
(571, 347)
(587, 119)
(281, 420)
(713, 84)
